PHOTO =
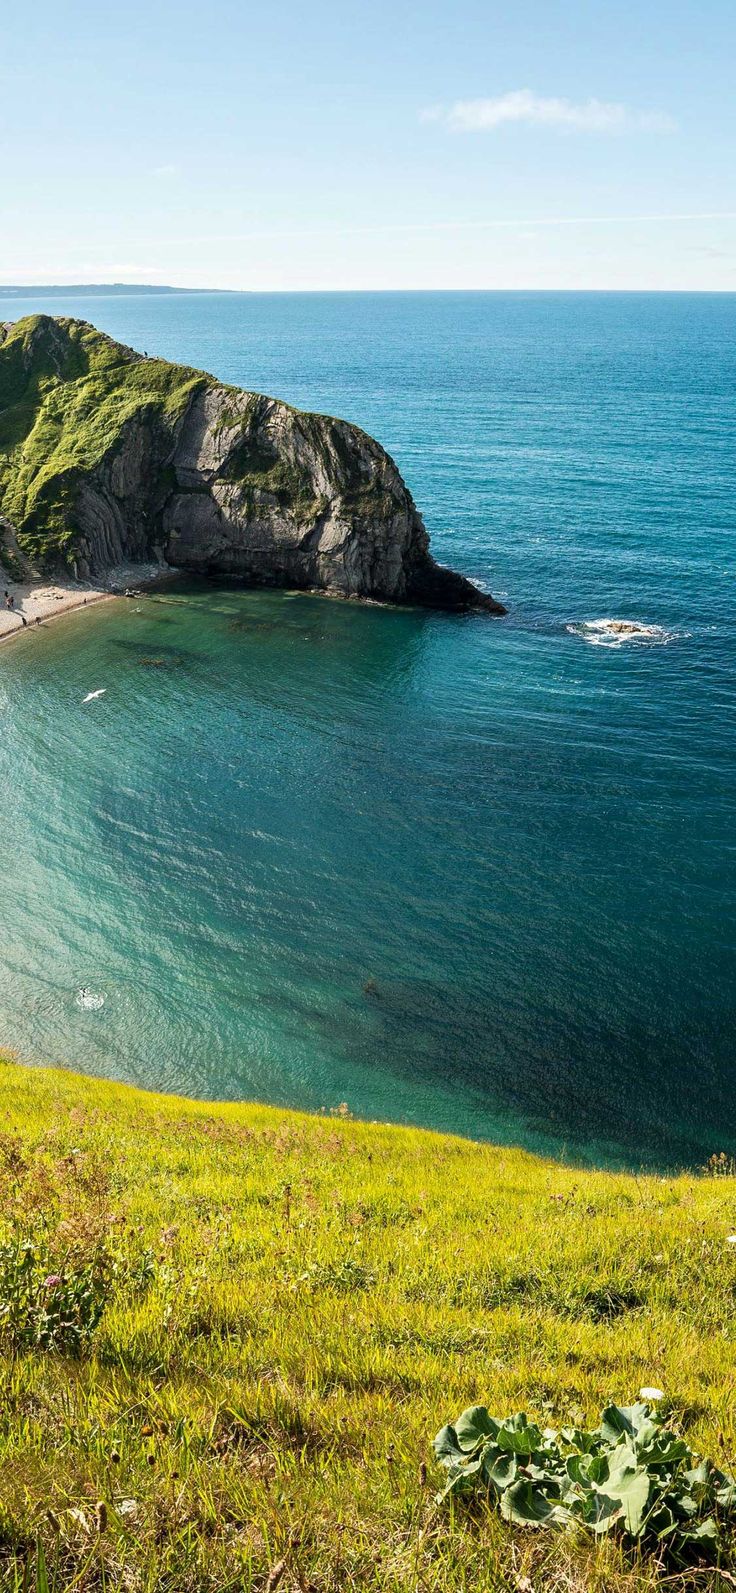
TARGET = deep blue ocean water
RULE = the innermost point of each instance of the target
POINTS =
(478, 874)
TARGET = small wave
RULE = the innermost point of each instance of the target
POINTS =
(620, 633)
(90, 1000)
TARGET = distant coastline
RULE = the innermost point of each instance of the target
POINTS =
(102, 289)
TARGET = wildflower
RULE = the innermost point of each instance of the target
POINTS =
(52, 1282)
(651, 1393)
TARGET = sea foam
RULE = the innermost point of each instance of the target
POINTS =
(620, 633)
(90, 1000)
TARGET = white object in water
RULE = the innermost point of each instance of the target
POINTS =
(618, 632)
(90, 1000)
(91, 695)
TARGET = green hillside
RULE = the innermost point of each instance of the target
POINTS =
(66, 391)
(228, 1335)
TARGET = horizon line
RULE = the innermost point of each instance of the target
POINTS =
(133, 288)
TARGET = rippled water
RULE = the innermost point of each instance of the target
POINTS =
(477, 874)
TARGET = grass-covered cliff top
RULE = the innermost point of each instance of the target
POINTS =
(228, 1335)
(65, 392)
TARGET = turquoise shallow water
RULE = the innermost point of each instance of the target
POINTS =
(520, 842)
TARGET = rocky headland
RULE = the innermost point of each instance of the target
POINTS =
(110, 458)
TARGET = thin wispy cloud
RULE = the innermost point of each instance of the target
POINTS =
(169, 170)
(473, 224)
(524, 106)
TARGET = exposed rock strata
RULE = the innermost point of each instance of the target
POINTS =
(107, 457)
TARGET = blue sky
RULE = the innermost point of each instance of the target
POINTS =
(543, 143)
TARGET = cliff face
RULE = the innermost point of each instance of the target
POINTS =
(107, 457)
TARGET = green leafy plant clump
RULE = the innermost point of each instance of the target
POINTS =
(56, 1304)
(45, 1310)
(630, 1475)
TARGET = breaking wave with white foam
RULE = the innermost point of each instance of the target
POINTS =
(621, 633)
(89, 1000)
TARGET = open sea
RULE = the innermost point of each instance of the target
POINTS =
(471, 873)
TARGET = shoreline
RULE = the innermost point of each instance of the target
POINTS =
(554, 1154)
(39, 602)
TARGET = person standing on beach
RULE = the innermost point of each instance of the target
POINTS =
(10, 605)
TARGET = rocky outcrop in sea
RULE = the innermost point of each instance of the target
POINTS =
(109, 457)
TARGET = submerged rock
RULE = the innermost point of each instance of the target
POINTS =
(108, 457)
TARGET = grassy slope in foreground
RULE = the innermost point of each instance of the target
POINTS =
(305, 1301)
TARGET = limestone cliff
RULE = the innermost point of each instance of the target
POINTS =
(109, 457)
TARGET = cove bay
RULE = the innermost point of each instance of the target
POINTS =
(472, 873)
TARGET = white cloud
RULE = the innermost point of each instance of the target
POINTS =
(522, 105)
(166, 171)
